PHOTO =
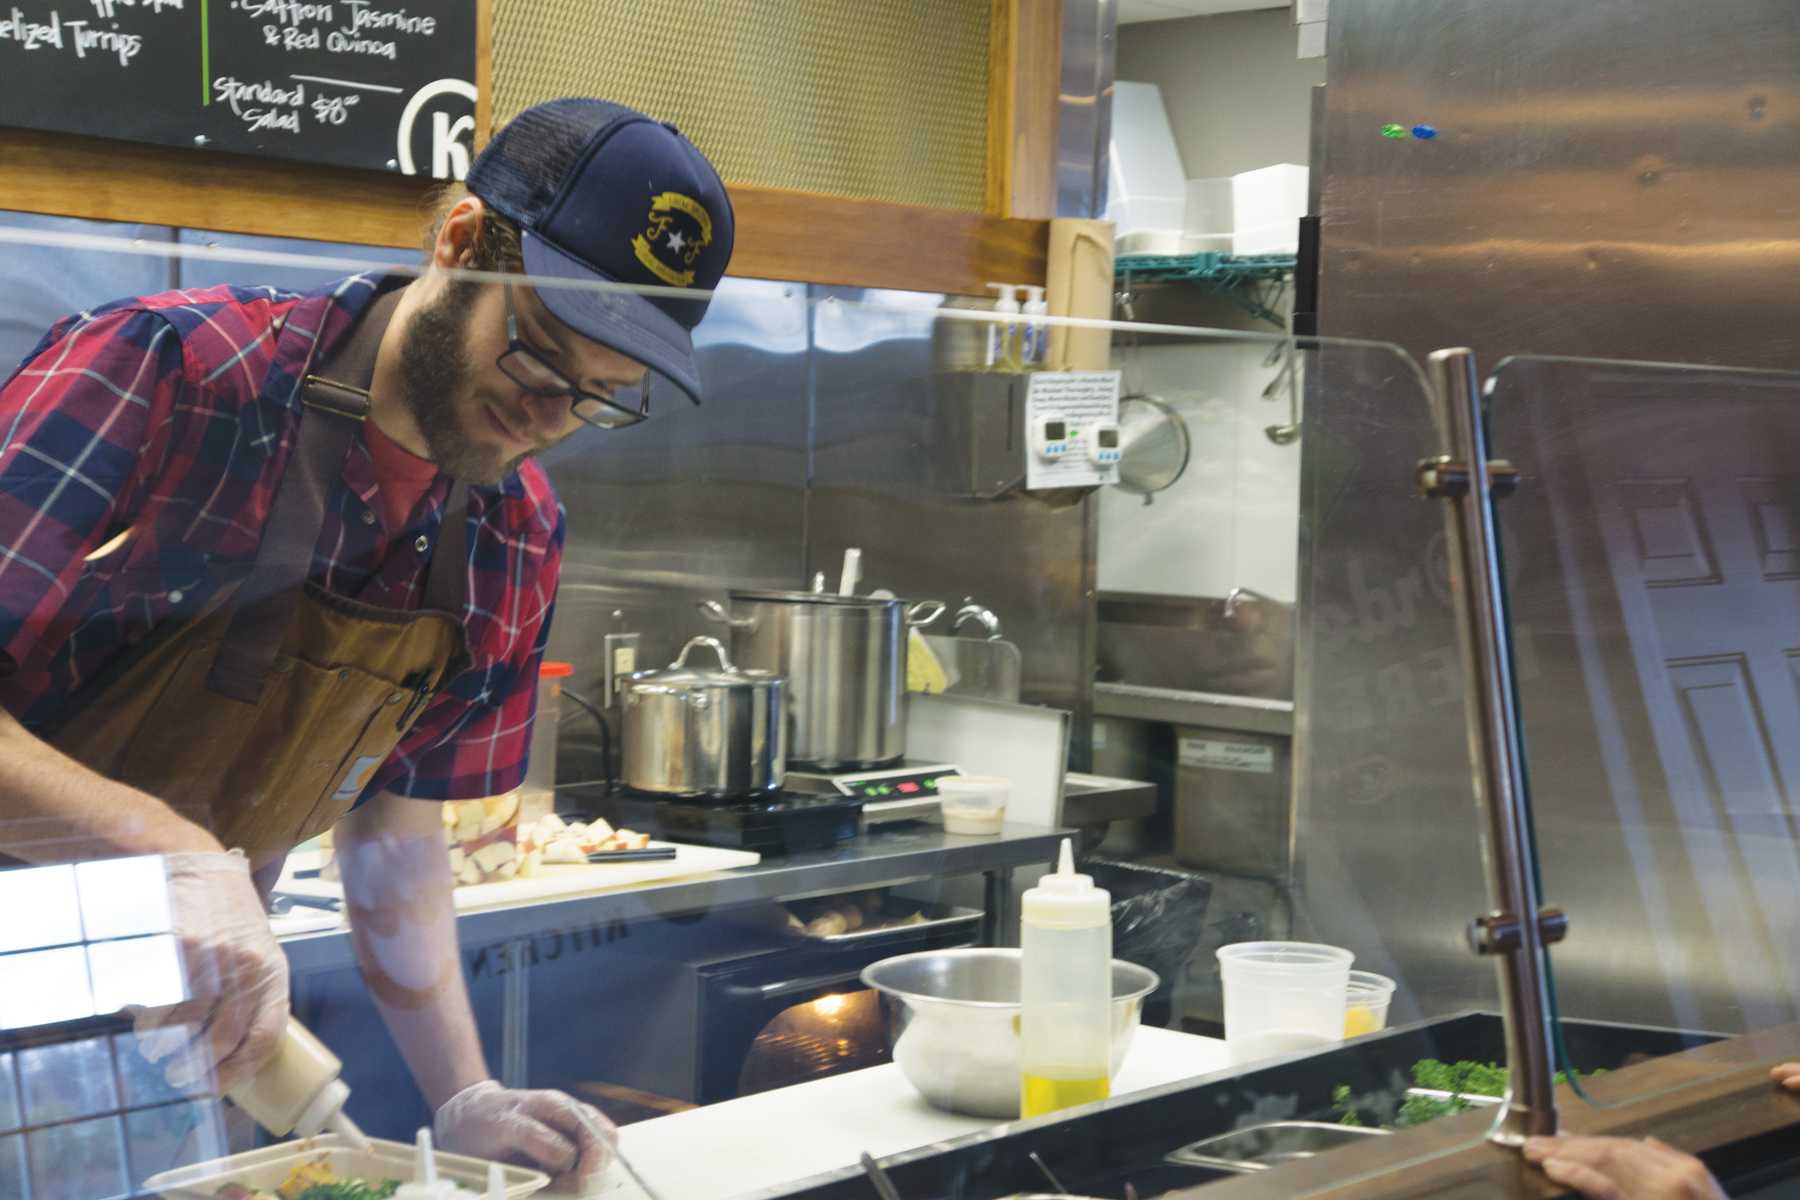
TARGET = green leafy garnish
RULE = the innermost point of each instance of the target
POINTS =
(351, 1190)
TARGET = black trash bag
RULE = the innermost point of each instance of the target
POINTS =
(1158, 919)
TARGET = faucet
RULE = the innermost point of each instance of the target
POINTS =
(971, 611)
(1237, 596)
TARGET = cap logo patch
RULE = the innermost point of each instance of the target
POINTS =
(677, 230)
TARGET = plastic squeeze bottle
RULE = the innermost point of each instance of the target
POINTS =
(1034, 336)
(1003, 336)
(298, 1091)
(1065, 1019)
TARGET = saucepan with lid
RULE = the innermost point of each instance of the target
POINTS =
(713, 732)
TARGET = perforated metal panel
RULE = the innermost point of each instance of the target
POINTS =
(874, 99)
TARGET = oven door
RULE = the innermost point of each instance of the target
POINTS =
(786, 1016)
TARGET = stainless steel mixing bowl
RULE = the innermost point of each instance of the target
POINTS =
(953, 1023)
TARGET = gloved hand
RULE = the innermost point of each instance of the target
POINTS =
(237, 977)
(1616, 1168)
(549, 1130)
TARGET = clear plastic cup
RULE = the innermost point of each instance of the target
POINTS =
(1282, 997)
(1366, 1000)
(974, 804)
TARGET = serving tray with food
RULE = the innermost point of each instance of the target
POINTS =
(327, 1167)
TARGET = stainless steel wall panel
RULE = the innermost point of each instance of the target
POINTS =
(1609, 179)
(694, 500)
(1084, 106)
(876, 485)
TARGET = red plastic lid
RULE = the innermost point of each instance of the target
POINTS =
(555, 670)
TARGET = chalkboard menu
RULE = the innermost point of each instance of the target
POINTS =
(358, 83)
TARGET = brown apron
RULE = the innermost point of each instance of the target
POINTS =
(263, 718)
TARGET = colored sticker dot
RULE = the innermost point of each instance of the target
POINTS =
(1391, 130)
(1424, 132)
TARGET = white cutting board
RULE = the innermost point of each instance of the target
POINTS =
(556, 881)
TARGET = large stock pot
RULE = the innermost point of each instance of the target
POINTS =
(844, 659)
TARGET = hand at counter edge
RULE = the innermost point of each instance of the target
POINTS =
(549, 1130)
(1616, 1168)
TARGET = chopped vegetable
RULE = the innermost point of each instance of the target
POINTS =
(1459, 1080)
(351, 1190)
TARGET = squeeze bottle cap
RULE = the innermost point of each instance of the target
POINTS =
(1064, 881)
(320, 1110)
(425, 1184)
(1064, 899)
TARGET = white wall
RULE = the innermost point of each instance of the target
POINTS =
(1237, 97)
(1232, 519)
(1237, 100)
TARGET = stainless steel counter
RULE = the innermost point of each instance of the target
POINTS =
(1212, 710)
(889, 856)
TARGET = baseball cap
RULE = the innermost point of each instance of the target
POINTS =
(600, 191)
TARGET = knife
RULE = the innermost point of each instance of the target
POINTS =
(650, 854)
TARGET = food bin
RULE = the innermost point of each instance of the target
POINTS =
(267, 1168)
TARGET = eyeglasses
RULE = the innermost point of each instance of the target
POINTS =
(622, 406)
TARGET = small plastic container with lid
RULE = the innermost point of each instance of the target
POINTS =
(1065, 1021)
(537, 795)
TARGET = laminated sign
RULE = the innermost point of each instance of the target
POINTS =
(1072, 429)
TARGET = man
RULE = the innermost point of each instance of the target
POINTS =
(271, 564)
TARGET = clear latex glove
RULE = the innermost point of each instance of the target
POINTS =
(549, 1130)
(237, 978)
(1616, 1168)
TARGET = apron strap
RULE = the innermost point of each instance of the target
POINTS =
(447, 573)
(261, 619)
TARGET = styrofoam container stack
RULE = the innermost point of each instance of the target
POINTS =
(1210, 224)
(1266, 207)
(1147, 186)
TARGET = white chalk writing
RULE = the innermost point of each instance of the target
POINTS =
(260, 104)
(61, 34)
(286, 12)
(340, 42)
(364, 17)
(105, 9)
(32, 35)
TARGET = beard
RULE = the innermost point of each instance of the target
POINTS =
(434, 381)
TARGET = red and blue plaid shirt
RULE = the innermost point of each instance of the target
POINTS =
(173, 415)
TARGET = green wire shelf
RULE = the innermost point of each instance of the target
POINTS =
(1226, 274)
(1226, 270)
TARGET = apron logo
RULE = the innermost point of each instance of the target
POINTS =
(678, 229)
(361, 771)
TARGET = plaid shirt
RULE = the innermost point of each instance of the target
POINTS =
(175, 414)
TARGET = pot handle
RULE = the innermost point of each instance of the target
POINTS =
(711, 643)
(925, 612)
(714, 611)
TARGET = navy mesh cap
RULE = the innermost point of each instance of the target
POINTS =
(602, 192)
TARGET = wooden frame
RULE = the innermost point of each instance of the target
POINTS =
(1025, 54)
(780, 234)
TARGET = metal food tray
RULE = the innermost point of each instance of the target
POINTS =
(267, 1168)
(936, 917)
(1261, 1147)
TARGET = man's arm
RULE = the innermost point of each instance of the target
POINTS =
(53, 809)
(403, 923)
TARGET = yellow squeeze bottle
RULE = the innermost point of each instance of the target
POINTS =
(298, 1090)
(1065, 991)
